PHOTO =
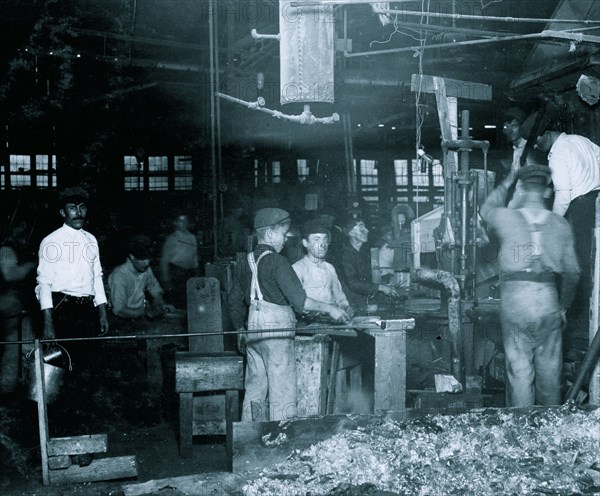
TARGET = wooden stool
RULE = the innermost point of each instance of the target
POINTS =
(207, 372)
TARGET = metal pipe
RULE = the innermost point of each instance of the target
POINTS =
(449, 282)
(221, 213)
(475, 209)
(589, 362)
(313, 329)
(563, 35)
(258, 36)
(305, 117)
(464, 184)
(213, 143)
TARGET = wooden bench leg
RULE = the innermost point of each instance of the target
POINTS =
(232, 412)
(186, 421)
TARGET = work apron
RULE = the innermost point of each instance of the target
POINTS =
(266, 315)
(270, 357)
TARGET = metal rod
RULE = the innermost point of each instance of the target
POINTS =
(213, 144)
(575, 37)
(440, 14)
(324, 329)
(464, 184)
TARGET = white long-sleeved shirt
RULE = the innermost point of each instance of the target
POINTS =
(575, 165)
(320, 281)
(69, 262)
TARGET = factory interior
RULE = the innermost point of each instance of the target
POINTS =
(373, 141)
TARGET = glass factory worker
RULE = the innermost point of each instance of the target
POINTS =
(267, 284)
(538, 276)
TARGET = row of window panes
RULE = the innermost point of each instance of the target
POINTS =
(159, 168)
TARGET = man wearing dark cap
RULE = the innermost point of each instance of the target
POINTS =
(318, 277)
(354, 266)
(134, 290)
(536, 257)
(267, 284)
(69, 276)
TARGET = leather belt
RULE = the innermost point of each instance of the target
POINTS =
(529, 276)
(79, 300)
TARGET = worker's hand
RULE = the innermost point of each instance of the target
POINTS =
(339, 315)
(168, 308)
(241, 340)
(350, 312)
(48, 332)
(103, 319)
(388, 290)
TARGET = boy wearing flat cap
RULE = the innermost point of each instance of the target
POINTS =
(536, 258)
(267, 284)
(318, 277)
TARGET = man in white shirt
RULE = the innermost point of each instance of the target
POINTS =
(69, 278)
(575, 166)
(318, 277)
(179, 261)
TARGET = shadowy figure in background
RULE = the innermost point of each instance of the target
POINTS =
(15, 281)
(179, 262)
(134, 290)
(234, 232)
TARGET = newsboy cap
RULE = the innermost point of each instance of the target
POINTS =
(270, 217)
(140, 247)
(314, 226)
(537, 174)
(514, 113)
(75, 194)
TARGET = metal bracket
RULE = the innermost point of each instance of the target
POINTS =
(257, 36)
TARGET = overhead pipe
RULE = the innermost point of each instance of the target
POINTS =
(439, 14)
(449, 282)
(547, 34)
(306, 117)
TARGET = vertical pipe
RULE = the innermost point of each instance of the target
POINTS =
(218, 113)
(464, 182)
(474, 211)
(213, 137)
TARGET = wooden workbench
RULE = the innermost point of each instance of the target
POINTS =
(173, 323)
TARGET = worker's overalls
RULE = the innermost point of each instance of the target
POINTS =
(532, 327)
(271, 362)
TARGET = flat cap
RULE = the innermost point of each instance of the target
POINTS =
(140, 247)
(270, 217)
(74, 193)
(514, 113)
(537, 174)
(314, 226)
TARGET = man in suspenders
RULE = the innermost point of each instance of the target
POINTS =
(536, 257)
(267, 284)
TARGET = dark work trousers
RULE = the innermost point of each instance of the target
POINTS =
(581, 216)
(70, 414)
(76, 318)
(532, 328)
